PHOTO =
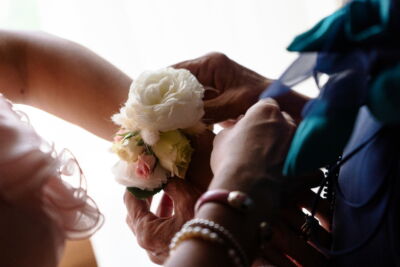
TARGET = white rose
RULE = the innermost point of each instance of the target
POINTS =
(160, 101)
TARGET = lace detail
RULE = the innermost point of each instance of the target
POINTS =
(31, 171)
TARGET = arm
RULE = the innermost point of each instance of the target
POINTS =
(63, 78)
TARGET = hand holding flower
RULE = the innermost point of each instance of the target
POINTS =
(230, 87)
(154, 231)
(162, 109)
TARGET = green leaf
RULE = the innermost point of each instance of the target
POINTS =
(143, 194)
(140, 142)
(129, 135)
(148, 150)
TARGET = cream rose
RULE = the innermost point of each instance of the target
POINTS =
(160, 101)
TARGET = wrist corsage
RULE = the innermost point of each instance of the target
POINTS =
(162, 109)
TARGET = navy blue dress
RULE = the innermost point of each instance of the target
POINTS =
(366, 216)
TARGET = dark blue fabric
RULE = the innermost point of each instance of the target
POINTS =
(359, 48)
(301, 69)
(367, 213)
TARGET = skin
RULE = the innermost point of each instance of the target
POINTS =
(72, 82)
(253, 168)
(231, 90)
(63, 78)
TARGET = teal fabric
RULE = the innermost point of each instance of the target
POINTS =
(358, 47)
(357, 23)
(384, 96)
(319, 140)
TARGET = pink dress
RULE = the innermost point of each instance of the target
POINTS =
(38, 208)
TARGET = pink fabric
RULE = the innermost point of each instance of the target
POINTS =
(34, 177)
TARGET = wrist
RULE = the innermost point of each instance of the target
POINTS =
(244, 224)
(243, 228)
(237, 176)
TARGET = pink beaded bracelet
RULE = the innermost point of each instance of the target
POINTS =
(235, 199)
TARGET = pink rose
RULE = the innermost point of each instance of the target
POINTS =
(118, 137)
(145, 165)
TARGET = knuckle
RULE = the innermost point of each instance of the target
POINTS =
(268, 109)
(146, 235)
(217, 57)
(145, 240)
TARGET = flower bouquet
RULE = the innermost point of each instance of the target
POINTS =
(162, 109)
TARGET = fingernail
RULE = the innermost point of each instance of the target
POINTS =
(269, 101)
(287, 116)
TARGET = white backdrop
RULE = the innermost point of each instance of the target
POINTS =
(148, 34)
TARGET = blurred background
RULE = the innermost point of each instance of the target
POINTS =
(139, 35)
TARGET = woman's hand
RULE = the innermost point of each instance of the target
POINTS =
(253, 148)
(287, 245)
(155, 231)
(248, 156)
(230, 88)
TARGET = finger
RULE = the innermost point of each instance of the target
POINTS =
(306, 200)
(184, 198)
(291, 243)
(157, 257)
(295, 219)
(265, 108)
(195, 66)
(228, 123)
(288, 118)
(210, 93)
(231, 122)
(229, 105)
(152, 233)
(270, 101)
(199, 173)
(138, 210)
(166, 207)
(206, 67)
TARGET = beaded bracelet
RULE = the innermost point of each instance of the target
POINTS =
(210, 231)
(234, 199)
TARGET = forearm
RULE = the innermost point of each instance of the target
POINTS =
(243, 226)
(63, 78)
(198, 253)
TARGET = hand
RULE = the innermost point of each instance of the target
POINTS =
(230, 88)
(154, 231)
(286, 245)
(257, 144)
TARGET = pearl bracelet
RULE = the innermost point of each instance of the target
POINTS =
(210, 231)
